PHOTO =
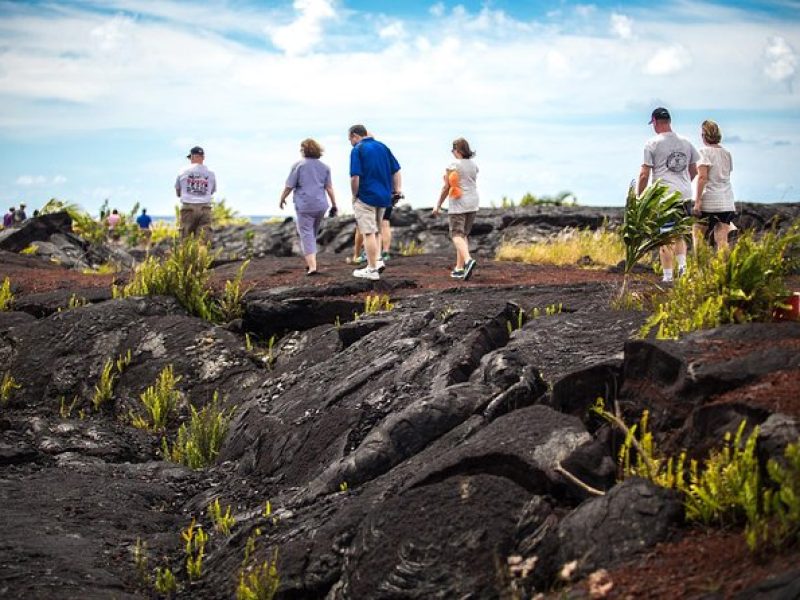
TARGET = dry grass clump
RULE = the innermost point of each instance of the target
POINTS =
(604, 248)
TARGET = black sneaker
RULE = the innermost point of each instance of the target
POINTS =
(468, 268)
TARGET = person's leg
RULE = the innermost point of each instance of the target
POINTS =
(358, 244)
(698, 235)
(203, 222)
(386, 236)
(680, 255)
(306, 232)
(462, 251)
(371, 245)
(187, 215)
(665, 253)
(721, 231)
(368, 221)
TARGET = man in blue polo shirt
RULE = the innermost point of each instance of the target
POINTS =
(374, 180)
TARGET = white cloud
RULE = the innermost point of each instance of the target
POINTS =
(30, 180)
(39, 180)
(668, 61)
(621, 26)
(393, 31)
(112, 34)
(305, 32)
(437, 10)
(781, 60)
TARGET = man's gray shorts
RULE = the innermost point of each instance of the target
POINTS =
(368, 218)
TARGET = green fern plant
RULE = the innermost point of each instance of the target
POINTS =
(160, 401)
(223, 521)
(260, 583)
(198, 445)
(7, 387)
(230, 305)
(195, 549)
(165, 584)
(376, 303)
(104, 390)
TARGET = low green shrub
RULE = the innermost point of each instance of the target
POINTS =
(165, 584)
(411, 249)
(198, 445)
(160, 401)
(195, 540)
(104, 390)
(743, 285)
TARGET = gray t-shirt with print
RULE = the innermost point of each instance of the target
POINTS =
(467, 181)
(669, 155)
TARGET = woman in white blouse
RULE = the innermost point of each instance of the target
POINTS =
(713, 202)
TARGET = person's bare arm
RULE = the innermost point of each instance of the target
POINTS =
(285, 194)
(354, 184)
(702, 180)
(693, 170)
(444, 193)
(644, 177)
(329, 189)
(397, 183)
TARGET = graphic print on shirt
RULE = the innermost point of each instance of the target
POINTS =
(677, 161)
(197, 185)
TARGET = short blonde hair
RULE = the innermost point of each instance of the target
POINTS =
(311, 148)
(711, 132)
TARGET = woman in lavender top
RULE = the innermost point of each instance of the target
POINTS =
(309, 179)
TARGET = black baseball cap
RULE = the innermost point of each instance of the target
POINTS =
(659, 114)
(196, 150)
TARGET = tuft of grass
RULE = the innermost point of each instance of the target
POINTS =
(160, 401)
(30, 250)
(183, 275)
(411, 249)
(64, 409)
(140, 561)
(261, 582)
(162, 230)
(6, 295)
(198, 445)
(76, 301)
(7, 386)
(377, 303)
(102, 269)
(743, 285)
(223, 521)
(222, 215)
(568, 247)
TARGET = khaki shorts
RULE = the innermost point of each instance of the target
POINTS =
(195, 219)
(461, 223)
(368, 218)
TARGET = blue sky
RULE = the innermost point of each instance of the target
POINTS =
(102, 99)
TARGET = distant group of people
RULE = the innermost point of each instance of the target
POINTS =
(675, 161)
(15, 216)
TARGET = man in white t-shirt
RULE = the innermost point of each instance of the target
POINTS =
(195, 186)
(673, 159)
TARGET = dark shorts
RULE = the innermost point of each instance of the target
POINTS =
(710, 219)
(387, 213)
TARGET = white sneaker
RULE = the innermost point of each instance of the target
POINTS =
(380, 266)
(367, 273)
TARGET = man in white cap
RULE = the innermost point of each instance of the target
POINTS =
(673, 159)
(195, 186)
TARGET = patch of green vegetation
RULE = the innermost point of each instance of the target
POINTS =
(183, 274)
(725, 489)
(165, 582)
(564, 198)
(743, 285)
(6, 295)
(30, 250)
(7, 387)
(198, 445)
(160, 401)
(230, 305)
(222, 215)
(377, 303)
(104, 390)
